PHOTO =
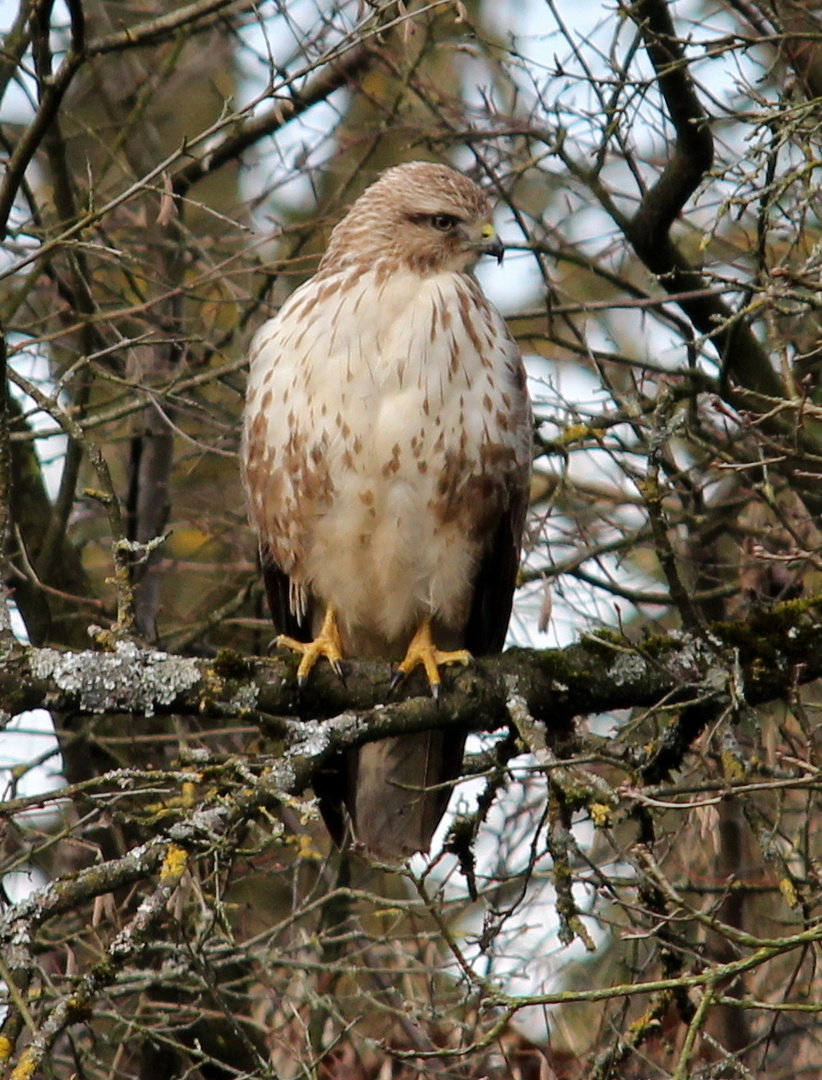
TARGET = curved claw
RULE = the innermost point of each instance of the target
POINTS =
(340, 670)
(396, 679)
(327, 643)
(422, 652)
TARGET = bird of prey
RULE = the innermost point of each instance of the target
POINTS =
(387, 455)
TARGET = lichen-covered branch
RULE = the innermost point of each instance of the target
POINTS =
(764, 659)
(76, 1006)
(602, 673)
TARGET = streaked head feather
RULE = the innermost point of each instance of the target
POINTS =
(394, 221)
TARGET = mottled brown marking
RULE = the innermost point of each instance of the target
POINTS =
(474, 495)
(392, 467)
(304, 309)
(467, 311)
(454, 359)
(383, 272)
(328, 290)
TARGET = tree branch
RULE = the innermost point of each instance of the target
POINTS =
(768, 656)
(648, 230)
(337, 73)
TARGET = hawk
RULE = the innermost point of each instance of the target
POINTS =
(387, 455)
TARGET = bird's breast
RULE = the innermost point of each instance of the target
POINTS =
(383, 407)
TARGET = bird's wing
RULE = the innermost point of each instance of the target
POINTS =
(496, 576)
(278, 590)
(495, 581)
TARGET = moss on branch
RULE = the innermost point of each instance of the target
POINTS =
(767, 655)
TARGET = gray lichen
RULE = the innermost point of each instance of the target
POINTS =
(207, 822)
(311, 738)
(130, 679)
(245, 700)
(627, 668)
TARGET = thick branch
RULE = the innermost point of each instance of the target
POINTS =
(648, 230)
(51, 95)
(767, 657)
(693, 150)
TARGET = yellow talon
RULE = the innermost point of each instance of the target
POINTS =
(422, 652)
(327, 643)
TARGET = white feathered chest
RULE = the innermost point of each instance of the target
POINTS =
(387, 425)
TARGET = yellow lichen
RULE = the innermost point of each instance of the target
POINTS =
(732, 767)
(600, 814)
(306, 849)
(24, 1069)
(578, 433)
(786, 887)
(174, 863)
(641, 1029)
(6, 1047)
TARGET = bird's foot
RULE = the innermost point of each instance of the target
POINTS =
(327, 643)
(422, 652)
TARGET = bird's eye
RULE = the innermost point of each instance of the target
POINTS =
(444, 222)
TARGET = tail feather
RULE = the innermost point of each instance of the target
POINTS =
(396, 793)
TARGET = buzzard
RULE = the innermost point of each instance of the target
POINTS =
(387, 454)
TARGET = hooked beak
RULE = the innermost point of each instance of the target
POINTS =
(491, 243)
(494, 247)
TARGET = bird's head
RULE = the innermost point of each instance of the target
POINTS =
(421, 215)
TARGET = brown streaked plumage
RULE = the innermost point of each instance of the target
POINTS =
(387, 448)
